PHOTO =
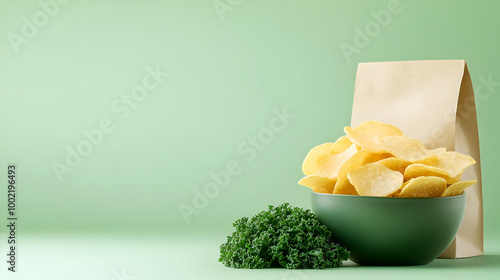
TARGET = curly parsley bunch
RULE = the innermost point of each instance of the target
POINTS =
(284, 236)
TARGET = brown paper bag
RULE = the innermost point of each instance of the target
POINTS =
(432, 101)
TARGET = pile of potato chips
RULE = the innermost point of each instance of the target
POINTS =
(376, 159)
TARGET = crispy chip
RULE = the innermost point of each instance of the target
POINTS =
(342, 144)
(310, 164)
(329, 166)
(417, 169)
(396, 194)
(424, 187)
(318, 184)
(372, 158)
(404, 147)
(365, 134)
(457, 188)
(395, 164)
(343, 186)
(437, 151)
(453, 163)
(359, 159)
(375, 179)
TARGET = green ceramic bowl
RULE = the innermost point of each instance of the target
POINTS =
(391, 231)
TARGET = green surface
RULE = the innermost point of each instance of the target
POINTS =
(388, 230)
(230, 79)
(178, 257)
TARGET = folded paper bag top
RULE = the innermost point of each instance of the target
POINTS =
(433, 101)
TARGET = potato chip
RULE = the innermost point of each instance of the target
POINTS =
(343, 186)
(359, 159)
(342, 144)
(375, 179)
(371, 159)
(403, 147)
(395, 164)
(396, 194)
(329, 166)
(310, 164)
(417, 169)
(425, 186)
(318, 184)
(453, 163)
(457, 188)
(364, 134)
(437, 151)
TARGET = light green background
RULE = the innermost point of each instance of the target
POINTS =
(226, 78)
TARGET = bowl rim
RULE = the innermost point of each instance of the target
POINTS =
(388, 198)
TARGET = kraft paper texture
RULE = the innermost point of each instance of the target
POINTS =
(432, 101)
